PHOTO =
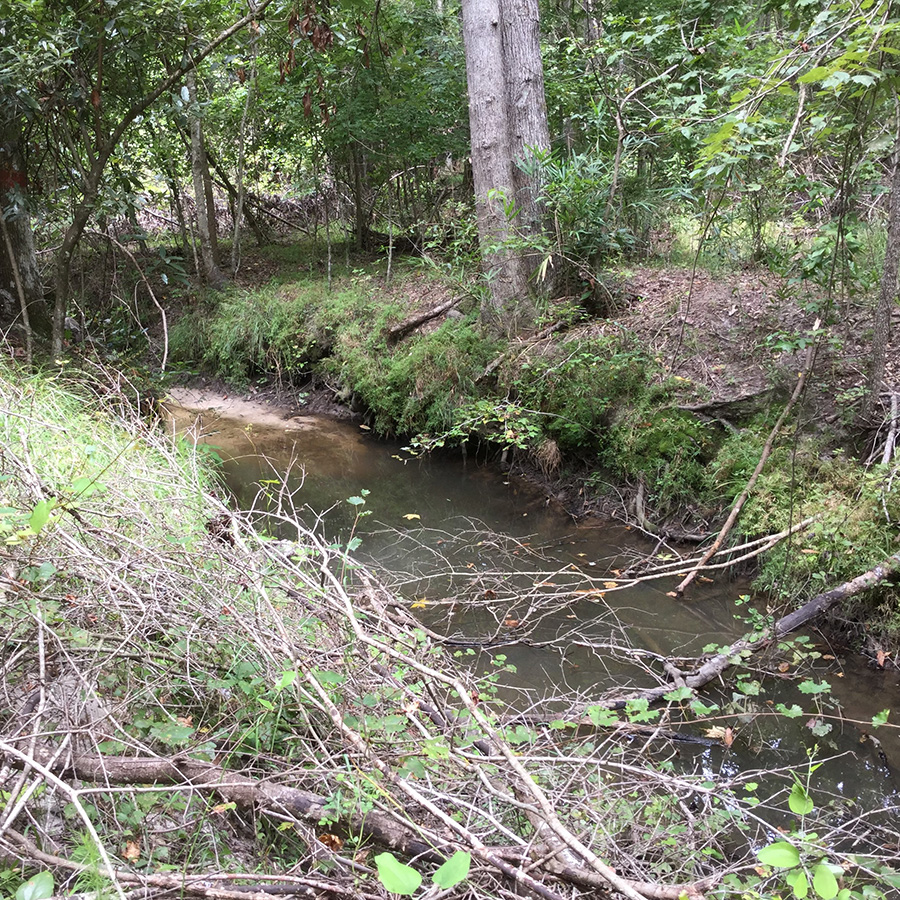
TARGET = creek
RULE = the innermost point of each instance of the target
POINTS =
(444, 529)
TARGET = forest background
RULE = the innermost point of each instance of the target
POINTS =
(644, 252)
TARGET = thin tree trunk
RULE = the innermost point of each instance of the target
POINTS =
(239, 199)
(20, 278)
(205, 215)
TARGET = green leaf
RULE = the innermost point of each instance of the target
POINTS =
(40, 514)
(84, 486)
(287, 679)
(811, 687)
(780, 854)
(453, 871)
(355, 501)
(880, 718)
(172, 733)
(38, 887)
(791, 712)
(824, 882)
(682, 693)
(600, 717)
(799, 883)
(816, 74)
(395, 876)
(799, 801)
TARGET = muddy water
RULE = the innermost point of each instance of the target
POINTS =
(433, 523)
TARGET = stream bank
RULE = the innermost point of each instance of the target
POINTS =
(640, 412)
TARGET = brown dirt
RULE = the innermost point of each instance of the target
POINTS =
(726, 334)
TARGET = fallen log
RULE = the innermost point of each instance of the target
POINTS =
(396, 332)
(715, 666)
(239, 789)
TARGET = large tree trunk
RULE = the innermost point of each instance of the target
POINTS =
(887, 295)
(206, 213)
(21, 288)
(507, 119)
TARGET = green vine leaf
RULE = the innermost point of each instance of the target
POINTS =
(781, 854)
(38, 887)
(453, 871)
(824, 882)
(397, 877)
(799, 801)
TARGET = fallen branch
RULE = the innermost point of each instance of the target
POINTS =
(396, 332)
(766, 453)
(712, 668)
(262, 888)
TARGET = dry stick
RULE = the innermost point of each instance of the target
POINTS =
(767, 451)
(616, 881)
(892, 433)
(23, 301)
(72, 794)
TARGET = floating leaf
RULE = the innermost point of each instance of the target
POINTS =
(453, 871)
(780, 854)
(811, 687)
(38, 887)
(880, 718)
(395, 876)
(412, 516)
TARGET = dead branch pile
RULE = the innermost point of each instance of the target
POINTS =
(217, 714)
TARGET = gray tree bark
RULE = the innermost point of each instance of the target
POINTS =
(507, 120)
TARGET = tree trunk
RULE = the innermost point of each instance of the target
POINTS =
(508, 121)
(206, 222)
(491, 157)
(887, 295)
(529, 131)
(20, 279)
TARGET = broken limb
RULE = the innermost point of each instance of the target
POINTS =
(396, 332)
(767, 451)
